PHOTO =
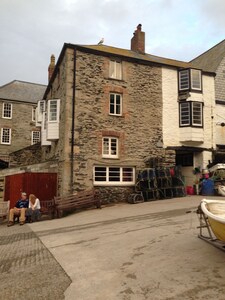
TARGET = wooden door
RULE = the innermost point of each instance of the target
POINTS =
(13, 188)
(42, 185)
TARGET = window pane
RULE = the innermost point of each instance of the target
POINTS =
(184, 80)
(35, 137)
(115, 104)
(112, 104)
(127, 174)
(114, 174)
(111, 69)
(33, 114)
(100, 173)
(7, 110)
(109, 147)
(6, 136)
(45, 121)
(196, 79)
(118, 104)
(113, 146)
(118, 70)
(184, 159)
(197, 113)
(41, 107)
(184, 113)
(106, 146)
(115, 69)
(53, 111)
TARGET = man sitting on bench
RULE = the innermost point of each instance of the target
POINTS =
(19, 210)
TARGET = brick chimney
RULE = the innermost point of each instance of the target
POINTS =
(138, 40)
(51, 67)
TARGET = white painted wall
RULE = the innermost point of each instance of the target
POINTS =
(52, 127)
(44, 141)
(195, 137)
(188, 136)
(218, 119)
(170, 107)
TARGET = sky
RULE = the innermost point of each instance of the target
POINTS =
(32, 30)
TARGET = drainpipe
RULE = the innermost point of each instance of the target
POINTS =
(73, 122)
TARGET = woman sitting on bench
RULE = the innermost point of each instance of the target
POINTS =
(33, 212)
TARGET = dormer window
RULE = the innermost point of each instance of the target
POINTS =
(190, 80)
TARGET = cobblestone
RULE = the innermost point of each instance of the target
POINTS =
(27, 268)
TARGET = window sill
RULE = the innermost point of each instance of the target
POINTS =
(110, 157)
(116, 79)
(114, 184)
(114, 115)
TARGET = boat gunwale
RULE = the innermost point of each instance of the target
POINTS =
(204, 203)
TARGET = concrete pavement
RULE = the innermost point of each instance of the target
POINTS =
(128, 252)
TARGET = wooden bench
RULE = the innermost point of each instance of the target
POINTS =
(4, 209)
(82, 199)
(48, 208)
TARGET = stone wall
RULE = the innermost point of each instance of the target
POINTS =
(21, 126)
(139, 129)
(26, 156)
(45, 167)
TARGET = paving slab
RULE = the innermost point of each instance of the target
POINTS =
(28, 270)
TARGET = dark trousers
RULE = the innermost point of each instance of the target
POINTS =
(33, 215)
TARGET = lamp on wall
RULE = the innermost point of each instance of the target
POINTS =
(222, 124)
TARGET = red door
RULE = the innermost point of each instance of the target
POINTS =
(43, 185)
(13, 188)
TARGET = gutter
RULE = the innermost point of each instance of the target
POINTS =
(73, 122)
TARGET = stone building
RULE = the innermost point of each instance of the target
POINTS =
(18, 102)
(109, 111)
(214, 60)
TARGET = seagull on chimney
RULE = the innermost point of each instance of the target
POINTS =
(101, 41)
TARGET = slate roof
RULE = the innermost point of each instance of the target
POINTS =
(125, 54)
(104, 49)
(22, 91)
(210, 60)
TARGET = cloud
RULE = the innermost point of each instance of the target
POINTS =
(33, 30)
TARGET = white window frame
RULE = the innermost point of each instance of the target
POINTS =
(4, 108)
(113, 103)
(190, 80)
(53, 109)
(34, 114)
(196, 82)
(185, 116)
(192, 110)
(41, 106)
(110, 147)
(115, 69)
(3, 130)
(44, 121)
(110, 172)
(197, 115)
(34, 139)
(184, 80)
